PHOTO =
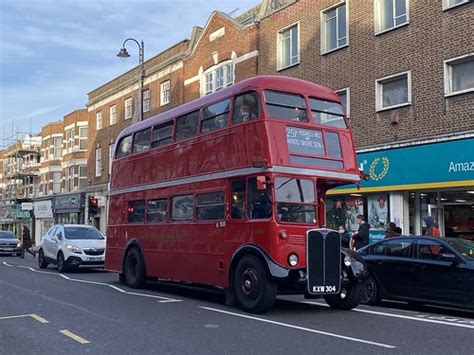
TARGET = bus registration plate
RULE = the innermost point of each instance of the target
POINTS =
(323, 261)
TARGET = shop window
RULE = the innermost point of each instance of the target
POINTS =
(136, 211)
(210, 206)
(377, 210)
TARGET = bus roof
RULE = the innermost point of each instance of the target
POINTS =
(280, 83)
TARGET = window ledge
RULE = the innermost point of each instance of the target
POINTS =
(446, 8)
(465, 91)
(335, 49)
(393, 107)
(392, 28)
(288, 66)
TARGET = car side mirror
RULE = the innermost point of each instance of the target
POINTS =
(60, 236)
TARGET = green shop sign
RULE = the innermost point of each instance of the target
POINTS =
(436, 165)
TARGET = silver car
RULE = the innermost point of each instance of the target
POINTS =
(9, 244)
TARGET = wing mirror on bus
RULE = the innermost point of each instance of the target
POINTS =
(261, 183)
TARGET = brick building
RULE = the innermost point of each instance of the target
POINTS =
(403, 69)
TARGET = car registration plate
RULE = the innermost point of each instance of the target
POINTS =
(97, 258)
(8, 249)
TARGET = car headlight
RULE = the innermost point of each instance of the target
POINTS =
(293, 259)
(347, 261)
(18, 244)
(73, 248)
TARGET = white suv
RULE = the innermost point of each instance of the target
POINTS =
(70, 246)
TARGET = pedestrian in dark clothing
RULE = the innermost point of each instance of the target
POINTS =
(26, 243)
(361, 237)
(431, 228)
(398, 231)
(390, 231)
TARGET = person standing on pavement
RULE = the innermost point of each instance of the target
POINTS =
(361, 237)
(431, 228)
(26, 243)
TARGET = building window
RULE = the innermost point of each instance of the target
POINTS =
(165, 93)
(334, 28)
(82, 138)
(111, 156)
(113, 114)
(288, 47)
(82, 177)
(70, 140)
(146, 100)
(459, 75)
(58, 147)
(98, 119)
(448, 4)
(344, 95)
(218, 77)
(393, 91)
(128, 108)
(98, 162)
(390, 14)
(57, 182)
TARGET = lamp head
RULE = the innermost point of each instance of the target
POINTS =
(123, 54)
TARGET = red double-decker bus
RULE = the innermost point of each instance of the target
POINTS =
(228, 190)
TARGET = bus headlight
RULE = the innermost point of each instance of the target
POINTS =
(293, 259)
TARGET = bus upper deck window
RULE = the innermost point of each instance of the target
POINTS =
(125, 147)
(187, 126)
(141, 141)
(286, 106)
(327, 113)
(246, 107)
(215, 116)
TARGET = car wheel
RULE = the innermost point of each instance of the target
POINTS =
(253, 289)
(350, 296)
(371, 294)
(134, 268)
(41, 261)
(18, 254)
(62, 267)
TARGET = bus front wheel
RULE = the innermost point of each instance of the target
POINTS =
(134, 268)
(351, 296)
(253, 289)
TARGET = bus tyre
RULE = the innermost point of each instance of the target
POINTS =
(134, 268)
(350, 297)
(253, 289)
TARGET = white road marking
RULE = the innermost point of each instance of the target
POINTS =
(301, 328)
(6, 264)
(415, 318)
(74, 336)
(34, 316)
(162, 298)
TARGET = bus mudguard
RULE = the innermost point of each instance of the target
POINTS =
(132, 243)
(357, 267)
(275, 270)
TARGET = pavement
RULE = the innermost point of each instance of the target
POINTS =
(43, 311)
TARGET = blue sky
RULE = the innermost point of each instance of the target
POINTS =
(53, 52)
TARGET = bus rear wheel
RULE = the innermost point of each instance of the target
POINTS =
(134, 268)
(253, 289)
(351, 296)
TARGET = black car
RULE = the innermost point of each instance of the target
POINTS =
(9, 244)
(421, 270)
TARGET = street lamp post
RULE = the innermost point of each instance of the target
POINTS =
(123, 54)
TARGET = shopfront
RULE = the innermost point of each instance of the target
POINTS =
(43, 213)
(407, 183)
(69, 208)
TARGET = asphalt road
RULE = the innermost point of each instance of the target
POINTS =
(42, 311)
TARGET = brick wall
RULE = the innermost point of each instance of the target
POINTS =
(431, 36)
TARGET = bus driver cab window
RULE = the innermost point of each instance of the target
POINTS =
(246, 107)
(259, 199)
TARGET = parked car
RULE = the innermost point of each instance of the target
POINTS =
(421, 270)
(72, 245)
(9, 244)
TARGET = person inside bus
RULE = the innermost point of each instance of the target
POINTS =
(246, 108)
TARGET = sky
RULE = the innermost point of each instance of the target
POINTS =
(54, 52)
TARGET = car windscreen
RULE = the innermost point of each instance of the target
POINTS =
(7, 235)
(295, 200)
(463, 247)
(82, 233)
